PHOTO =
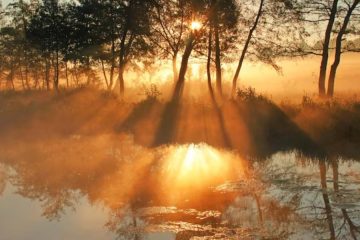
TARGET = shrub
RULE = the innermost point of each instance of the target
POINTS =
(151, 92)
(249, 94)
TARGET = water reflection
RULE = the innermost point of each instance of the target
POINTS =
(174, 192)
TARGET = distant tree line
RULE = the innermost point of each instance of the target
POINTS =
(97, 41)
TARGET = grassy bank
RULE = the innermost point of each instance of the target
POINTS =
(251, 124)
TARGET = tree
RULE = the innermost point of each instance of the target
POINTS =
(208, 64)
(338, 47)
(92, 29)
(275, 31)
(20, 13)
(168, 30)
(134, 24)
(9, 39)
(336, 17)
(45, 30)
(246, 46)
(223, 20)
(196, 10)
(219, 18)
(326, 44)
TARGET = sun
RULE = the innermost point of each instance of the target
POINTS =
(196, 25)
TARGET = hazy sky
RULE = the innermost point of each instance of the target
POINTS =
(298, 76)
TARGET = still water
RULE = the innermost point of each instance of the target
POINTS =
(107, 187)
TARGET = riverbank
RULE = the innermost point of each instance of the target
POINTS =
(251, 124)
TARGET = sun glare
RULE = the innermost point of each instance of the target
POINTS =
(196, 25)
(199, 166)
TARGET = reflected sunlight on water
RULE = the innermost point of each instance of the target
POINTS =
(196, 166)
(190, 191)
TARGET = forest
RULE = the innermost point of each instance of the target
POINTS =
(62, 44)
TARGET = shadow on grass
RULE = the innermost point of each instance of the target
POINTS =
(221, 122)
(168, 122)
(139, 112)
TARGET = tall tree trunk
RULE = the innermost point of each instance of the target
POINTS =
(66, 75)
(325, 51)
(208, 65)
(217, 55)
(88, 70)
(47, 73)
(184, 64)
(113, 62)
(36, 79)
(111, 81)
(121, 79)
(22, 77)
(174, 66)
(122, 62)
(335, 65)
(56, 73)
(76, 75)
(10, 77)
(104, 73)
(245, 49)
(24, 22)
(27, 76)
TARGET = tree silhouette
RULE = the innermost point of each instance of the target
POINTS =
(338, 47)
(274, 31)
(45, 30)
(223, 20)
(134, 22)
(169, 24)
(336, 16)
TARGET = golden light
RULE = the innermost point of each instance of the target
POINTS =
(196, 25)
(189, 168)
(195, 70)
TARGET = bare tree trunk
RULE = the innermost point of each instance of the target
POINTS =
(10, 77)
(208, 65)
(36, 79)
(246, 46)
(121, 79)
(111, 83)
(22, 77)
(88, 70)
(122, 63)
(76, 75)
(27, 76)
(325, 51)
(56, 73)
(47, 73)
(174, 66)
(217, 56)
(184, 64)
(339, 39)
(66, 75)
(111, 80)
(104, 73)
